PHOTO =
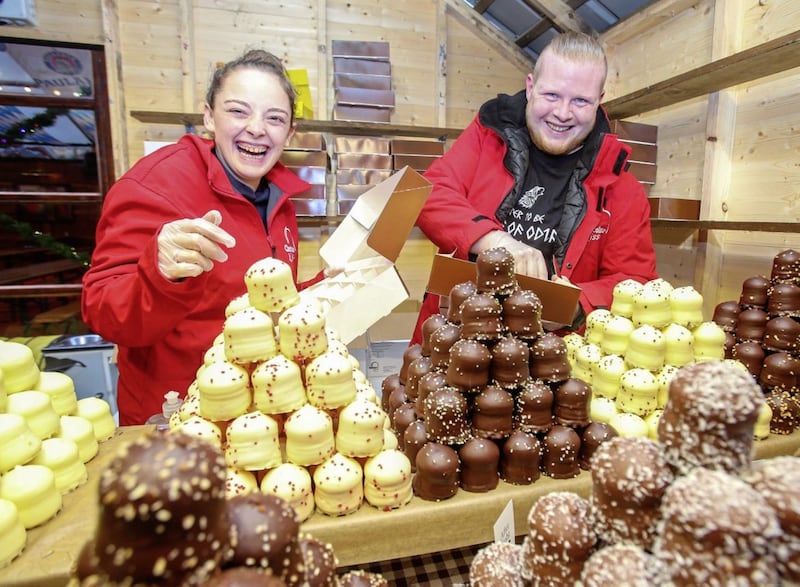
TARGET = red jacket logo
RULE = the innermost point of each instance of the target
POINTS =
(291, 246)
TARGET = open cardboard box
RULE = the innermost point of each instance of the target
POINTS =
(559, 301)
(366, 244)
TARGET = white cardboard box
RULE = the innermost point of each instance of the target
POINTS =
(367, 244)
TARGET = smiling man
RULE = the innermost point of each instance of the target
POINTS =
(540, 174)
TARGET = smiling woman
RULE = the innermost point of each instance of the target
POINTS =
(205, 210)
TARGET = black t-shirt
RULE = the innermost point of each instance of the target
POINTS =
(535, 217)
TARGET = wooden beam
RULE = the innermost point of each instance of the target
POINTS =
(772, 57)
(187, 52)
(645, 21)
(440, 108)
(720, 128)
(563, 17)
(484, 30)
(116, 94)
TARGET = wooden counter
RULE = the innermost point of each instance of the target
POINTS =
(364, 536)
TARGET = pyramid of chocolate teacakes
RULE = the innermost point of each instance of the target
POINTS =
(767, 315)
(513, 377)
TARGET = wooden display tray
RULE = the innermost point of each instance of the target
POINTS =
(365, 536)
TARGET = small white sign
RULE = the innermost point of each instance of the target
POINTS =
(504, 526)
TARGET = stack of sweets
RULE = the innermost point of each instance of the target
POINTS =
(762, 331)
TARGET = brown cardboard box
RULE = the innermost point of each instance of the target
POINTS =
(352, 144)
(309, 206)
(361, 113)
(675, 208)
(644, 172)
(417, 162)
(412, 147)
(307, 141)
(305, 159)
(361, 176)
(313, 175)
(559, 302)
(361, 66)
(363, 161)
(365, 97)
(366, 244)
(378, 50)
(635, 131)
(362, 80)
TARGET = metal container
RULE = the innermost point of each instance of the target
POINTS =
(91, 363)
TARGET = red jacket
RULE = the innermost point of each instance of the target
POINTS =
(163, 328)
(480, 175)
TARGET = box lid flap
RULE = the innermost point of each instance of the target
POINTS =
(379, 221)
(559, 301)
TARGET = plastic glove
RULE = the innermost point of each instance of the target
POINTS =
(188, 247)
(527, 260)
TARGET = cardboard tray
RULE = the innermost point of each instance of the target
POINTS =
(559, 301)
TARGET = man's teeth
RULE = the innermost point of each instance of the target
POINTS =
(557, 128)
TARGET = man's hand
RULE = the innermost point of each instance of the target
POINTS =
(527, 260)
(188, 247)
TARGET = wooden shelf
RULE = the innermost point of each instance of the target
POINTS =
(681, 224)
(343, 127)
(772, 57)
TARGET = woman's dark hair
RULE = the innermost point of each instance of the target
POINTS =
(255, 59)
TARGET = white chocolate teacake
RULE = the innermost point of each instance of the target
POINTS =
(18, 366)
(61, 389)
(709, 342)
(309, 436)
(224, 391)
(622, 297)
(602, 409)
(651, 307)
(606, 376)
(278, 386)
(596, 322)
(239, 482)
(360, 430)
(292, 483)
(686, 304)
(98, 412)
(679, 345)
(301, 331)
(270, 285)
(252, 442)
(616, 335)
(61, 456)
(81, 432)
(199, 427)
(249, 337)
(329, 381)
(629, 425)
(586, 358)
(638, 393)
(18, 443)
(646, 348)
(338, 485)
(12, 531)
(33, 490)
(388, 480)
(37, 409)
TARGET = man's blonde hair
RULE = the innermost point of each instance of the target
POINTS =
(578, 47)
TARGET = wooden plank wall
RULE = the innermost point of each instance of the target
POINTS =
(737, 150)
(163, 52)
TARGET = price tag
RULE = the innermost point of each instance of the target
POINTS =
(504, 526)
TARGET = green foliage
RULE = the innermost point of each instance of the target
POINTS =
(45, 241)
